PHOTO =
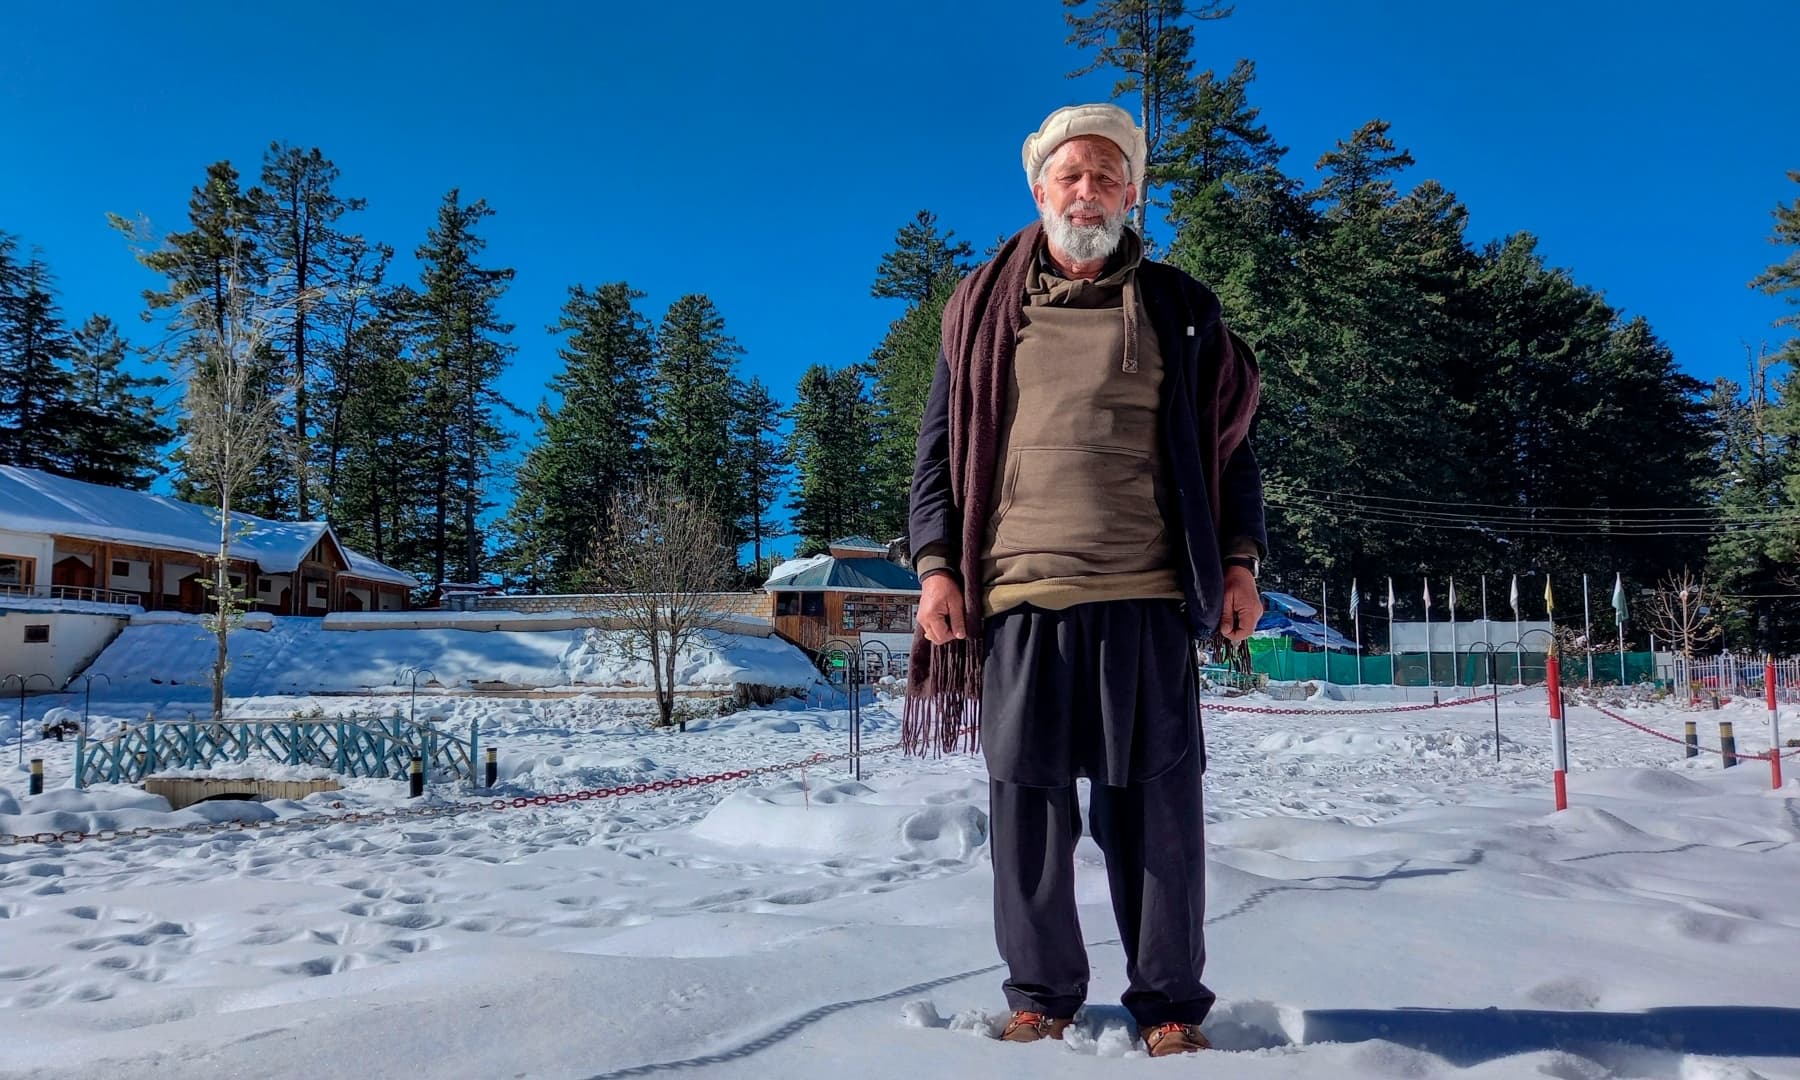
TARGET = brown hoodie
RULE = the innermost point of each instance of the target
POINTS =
(1077, 470)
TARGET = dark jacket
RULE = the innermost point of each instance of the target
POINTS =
(1175, 303)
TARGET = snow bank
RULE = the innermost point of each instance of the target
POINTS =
(296, 655)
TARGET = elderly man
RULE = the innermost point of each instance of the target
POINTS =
(1085, 505)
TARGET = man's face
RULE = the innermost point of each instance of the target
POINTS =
(1084, 197)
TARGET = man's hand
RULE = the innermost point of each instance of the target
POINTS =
(1243, 605)
(941, 609)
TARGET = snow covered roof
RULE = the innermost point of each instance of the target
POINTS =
(34, 501)
(822, 572)
(859, 543)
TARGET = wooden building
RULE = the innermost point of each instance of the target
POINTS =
(65, 539)
(853, 593)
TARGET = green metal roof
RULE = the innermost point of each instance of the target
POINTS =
(850, 575)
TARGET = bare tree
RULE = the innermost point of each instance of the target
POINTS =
(233, 421)
(665, 556)
(1682, 613)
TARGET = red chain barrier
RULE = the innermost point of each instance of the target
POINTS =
(519, 802)
(1609, 714)
(1295, 711)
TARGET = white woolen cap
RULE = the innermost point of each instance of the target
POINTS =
(1107, 121)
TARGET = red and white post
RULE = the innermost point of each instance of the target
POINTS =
(1559, 736)
(1774, 722)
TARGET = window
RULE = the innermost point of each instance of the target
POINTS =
(237, 581)
(317, 593)
(812, 604)
(15, 570)
(879, 613)
(37, 634)
(121, 568)
(787, 603)
(263, 584)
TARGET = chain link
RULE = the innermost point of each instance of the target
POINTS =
(1740, 754)
(1303, 711)
(519, 802)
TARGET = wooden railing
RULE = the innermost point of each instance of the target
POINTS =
(74, 592)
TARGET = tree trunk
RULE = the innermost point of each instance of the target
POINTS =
(221, 582)
(302, 457)
(670, 661)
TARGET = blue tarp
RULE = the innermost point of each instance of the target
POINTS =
(1277, 623)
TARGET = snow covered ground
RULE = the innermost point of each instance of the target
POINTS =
(165, 658)
(1386, 900)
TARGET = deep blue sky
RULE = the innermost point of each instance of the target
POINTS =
(765, 154)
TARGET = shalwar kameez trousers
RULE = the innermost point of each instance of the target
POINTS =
(1106, 691)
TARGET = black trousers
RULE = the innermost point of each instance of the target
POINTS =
(1150, 830)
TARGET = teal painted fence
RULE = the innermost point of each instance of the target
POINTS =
(365, 746)
(1443, 668)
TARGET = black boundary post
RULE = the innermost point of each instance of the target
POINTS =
(493, 766)
(416, 777)
(36, 787)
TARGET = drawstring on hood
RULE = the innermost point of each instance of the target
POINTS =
(1121, 269)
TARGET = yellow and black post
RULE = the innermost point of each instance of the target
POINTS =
(36, 786)
(1728, 743)
(416, 773)
(1693, 738)
(493, 765)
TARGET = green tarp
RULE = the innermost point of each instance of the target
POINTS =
(1276, 658)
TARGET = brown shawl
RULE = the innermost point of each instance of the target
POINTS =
(981, 331)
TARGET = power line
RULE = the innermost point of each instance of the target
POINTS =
(1456, 523)
(1495, 506)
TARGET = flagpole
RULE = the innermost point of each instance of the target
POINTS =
(1518, 635)
(1621, 655)
(1393, 675)
(1356, 618)
(1587, 627)
(1486, 634)
(1455, 675)
(1430, 676)
(1619, 613)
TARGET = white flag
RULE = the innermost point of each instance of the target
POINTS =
(1390, 600)
(1515, 596)
(1427, 594)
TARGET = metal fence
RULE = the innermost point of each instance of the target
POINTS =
(1734, 674)
(366, 746)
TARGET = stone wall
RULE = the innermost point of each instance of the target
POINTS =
(746, 603)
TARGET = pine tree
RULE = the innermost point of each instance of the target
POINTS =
(205, 268)
(762, 463)
(36, 389)
(592, 446)
(902, 367)
(118, 433)
(382, 469)
(461, 348)
(832, 447)
(295, 218)
(919, 260)
(1149, 42)
(692, 409)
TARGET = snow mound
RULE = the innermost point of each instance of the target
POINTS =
(1361, 743)
(841, 818)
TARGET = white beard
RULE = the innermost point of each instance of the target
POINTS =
(1085, 243)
